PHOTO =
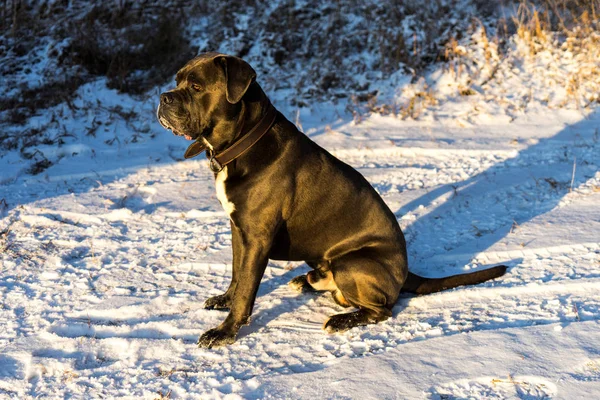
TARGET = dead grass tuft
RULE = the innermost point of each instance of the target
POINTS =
(543, 44)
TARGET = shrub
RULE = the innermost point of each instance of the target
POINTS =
(136, 47)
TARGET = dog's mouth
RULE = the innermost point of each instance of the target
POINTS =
(165, 124)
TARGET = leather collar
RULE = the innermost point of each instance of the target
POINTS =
(219, 161)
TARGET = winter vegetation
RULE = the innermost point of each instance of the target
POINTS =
(476, 121)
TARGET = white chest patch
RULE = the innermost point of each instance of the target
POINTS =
(221, 195)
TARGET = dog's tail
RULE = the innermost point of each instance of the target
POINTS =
(420, 285)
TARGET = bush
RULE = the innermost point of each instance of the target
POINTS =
(134, 45)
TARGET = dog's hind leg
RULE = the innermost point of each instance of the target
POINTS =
(301, 283)
(367, 285)
(321, 279)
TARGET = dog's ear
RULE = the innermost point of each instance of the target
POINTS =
(239, 75)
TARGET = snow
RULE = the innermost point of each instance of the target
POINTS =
(534, 362)
(107, 263)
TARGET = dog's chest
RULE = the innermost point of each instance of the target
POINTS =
(228, 206)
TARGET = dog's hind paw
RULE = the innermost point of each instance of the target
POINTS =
(343, 322)
(216, 338)
(300, 284)
(220, 302)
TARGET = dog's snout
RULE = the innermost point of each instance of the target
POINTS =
(166, 98)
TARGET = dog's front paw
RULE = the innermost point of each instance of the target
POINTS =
(220, 302)
(216, 338)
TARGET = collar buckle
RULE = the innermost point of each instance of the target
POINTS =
(215, 165)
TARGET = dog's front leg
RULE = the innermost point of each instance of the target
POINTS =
(254, 258)
(223, 301)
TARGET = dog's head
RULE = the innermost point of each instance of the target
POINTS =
(205, 106)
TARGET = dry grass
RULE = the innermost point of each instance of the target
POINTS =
(567, 29)
(418, 102)
(163, 396)
(543, 44)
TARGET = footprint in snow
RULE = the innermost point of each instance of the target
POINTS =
(517, 387)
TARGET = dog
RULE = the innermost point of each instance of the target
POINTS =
(289, 199)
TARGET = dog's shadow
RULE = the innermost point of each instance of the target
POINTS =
(490, 206)
(292, 301)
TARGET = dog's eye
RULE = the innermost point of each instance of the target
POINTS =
(196, 87)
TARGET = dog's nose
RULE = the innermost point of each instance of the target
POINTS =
(166, 98)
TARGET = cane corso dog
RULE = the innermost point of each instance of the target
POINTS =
(289, 199)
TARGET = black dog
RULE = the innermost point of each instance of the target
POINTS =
(289, 199)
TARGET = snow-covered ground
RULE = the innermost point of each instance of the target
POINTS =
(109, 252)
(108, 256)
